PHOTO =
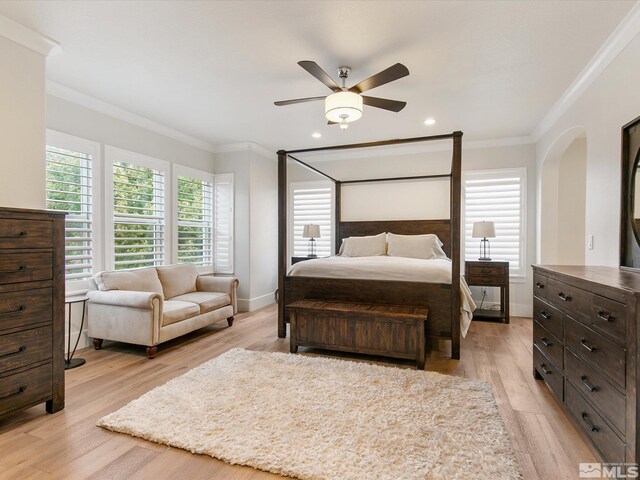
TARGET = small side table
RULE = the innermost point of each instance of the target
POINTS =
(490, 273)
(71, 362)
(295, 260)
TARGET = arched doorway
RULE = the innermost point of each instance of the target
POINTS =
(563, 199)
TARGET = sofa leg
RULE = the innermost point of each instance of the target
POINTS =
(97, 343)
(151, 351)
(230, 321)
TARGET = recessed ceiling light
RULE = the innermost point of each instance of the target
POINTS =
(316, 135)
(429, 121)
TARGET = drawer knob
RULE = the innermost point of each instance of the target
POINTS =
(585, 417)
(591, 348)
(564, 298)
(546, 342)
(545, 370)
(15, 394)
(20, 269)
(20, 350)
(539, 285)
(607, 317)
(591, 388)
(21, 308)
(545, 315)
(20, 235)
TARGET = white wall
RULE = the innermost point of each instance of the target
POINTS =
(22, 121)
(610, 102)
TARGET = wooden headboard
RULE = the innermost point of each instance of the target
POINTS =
(442, 228)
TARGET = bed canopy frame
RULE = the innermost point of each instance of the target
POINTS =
(443, 300)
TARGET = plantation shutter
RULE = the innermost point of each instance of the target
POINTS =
(195, 221)
(138, 216)
(69, 189)
(223, 218)
(312, 204)
(496, 196)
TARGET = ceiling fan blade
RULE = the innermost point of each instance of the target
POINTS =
(384, 103)
(389, 75)
(329, 122)
(298, 100)
(314, 69)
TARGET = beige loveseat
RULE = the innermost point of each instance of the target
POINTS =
(149, 306)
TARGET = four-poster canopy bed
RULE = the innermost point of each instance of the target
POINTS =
(442, 299)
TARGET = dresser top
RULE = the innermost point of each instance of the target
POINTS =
(613, 277)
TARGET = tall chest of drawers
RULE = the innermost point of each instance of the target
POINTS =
(585, 347)
(31, 310)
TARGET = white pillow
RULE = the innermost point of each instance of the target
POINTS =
(415, 246)
(374, 245)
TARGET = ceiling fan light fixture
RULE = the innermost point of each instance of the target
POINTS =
(343, 107)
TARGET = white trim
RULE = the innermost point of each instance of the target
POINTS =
(217, 179)
(242, 146)
(28, 38)
(57, 90)
(252, 304)
(626, 31)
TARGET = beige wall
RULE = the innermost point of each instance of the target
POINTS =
(22, 126)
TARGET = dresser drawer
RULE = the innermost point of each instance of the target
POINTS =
(25, 267)
(609, 317)
(601, 354)
(25, 308)
(539, 285)
(575, 301)
(489, 281)
(593, 387)
(24, 348)
(26, 387)
(548, 345)
(25, 233)
(549, 317)
(552, 376)
(592, 424)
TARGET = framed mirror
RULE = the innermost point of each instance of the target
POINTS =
(630, 198)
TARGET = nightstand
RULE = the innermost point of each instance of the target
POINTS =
(490, 273)
(295, 260)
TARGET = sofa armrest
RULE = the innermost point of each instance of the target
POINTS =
(208, 283)
(124, 298)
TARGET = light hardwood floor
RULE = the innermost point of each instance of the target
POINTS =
(68, 445)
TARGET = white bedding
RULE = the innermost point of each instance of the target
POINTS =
(389, 268)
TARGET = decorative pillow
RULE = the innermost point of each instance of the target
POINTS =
(139, 280)
(178, 279)
(374, 245)
(415, 246)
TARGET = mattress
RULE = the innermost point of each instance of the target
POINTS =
(389, 268)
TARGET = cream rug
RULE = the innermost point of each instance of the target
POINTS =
(320, 418)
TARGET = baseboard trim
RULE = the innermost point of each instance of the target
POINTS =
(515, 309)
(252, 304)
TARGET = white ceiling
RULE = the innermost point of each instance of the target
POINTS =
(213, 69)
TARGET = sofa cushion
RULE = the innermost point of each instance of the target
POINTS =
(138, 280)
(208, 301)
(175, 311)
(178, 279)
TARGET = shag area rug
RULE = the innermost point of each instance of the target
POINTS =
(320, 418)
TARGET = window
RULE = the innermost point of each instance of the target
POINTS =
(137, 201)
(194, 209)
(70, 166)
(311, 202)
(223, 223)
(497, 196)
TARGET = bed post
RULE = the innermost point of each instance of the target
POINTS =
(338, 215)
(456, 181)
(282, 239)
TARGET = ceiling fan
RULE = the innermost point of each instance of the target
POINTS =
(344, 105)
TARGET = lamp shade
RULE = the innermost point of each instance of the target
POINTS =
(343, 107)
(311, 231)
(483, 230)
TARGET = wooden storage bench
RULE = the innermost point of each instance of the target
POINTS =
(386, 330)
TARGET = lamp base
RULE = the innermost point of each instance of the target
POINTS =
(484, 258)
(312, 255)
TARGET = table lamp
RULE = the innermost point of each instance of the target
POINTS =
(484, 230)
(311, 231)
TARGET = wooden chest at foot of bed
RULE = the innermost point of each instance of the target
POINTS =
(386, 330)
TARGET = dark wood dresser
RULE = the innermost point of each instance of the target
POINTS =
(31, 309)
(585, 347)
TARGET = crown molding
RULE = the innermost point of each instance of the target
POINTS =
(244, 146)
(57, 90)
(28, 38)
(626, 31)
